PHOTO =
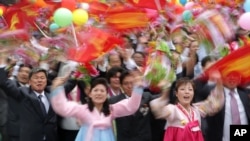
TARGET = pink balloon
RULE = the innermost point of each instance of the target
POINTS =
(189, 5)
(244, 21)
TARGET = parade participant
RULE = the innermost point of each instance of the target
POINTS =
(96, 116)
(183, 117)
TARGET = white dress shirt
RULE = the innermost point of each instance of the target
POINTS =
(227, 118)
(44, 100)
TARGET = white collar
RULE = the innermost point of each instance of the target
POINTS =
(37, 94)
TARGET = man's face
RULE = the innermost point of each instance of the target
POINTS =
(127, 85)
(139, 59)
(232, 80)
(114, 60)
(38, 82)
(23, 75)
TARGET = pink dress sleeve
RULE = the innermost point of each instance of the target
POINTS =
(128, 106)
(212, 105)
(63, 107)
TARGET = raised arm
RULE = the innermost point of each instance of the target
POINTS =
(6, 84)
(129, 106)
(59, 101)
(215, 100)
(159, 105)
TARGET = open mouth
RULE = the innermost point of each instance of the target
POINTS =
(186, 97)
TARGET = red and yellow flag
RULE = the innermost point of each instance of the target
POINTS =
(94, 43)
(237, 61)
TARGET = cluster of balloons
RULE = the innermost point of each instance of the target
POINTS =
(64, 17)
(191, 10)
(245, 17)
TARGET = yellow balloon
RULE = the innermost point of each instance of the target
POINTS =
(80, 16)
(1, 12)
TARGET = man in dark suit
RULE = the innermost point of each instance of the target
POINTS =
(3, 115)
(37, 118)
(136, 127)
(219, 124)
(13, 123)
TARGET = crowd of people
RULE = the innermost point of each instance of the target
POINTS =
(55, 100)
(76, 110)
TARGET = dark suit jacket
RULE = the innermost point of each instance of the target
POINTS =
(135, 127)
(34, 126)
(3, 108)
(216, 122)
(13, 123)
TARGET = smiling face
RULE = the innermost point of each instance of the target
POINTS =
(98, 94)
(23, 75)
(38, 81)
(185, 93)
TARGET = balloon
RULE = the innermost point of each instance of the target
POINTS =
(1, 12)
(183, 2)
(244, 21)
(187, 15)
(80, 16)
(189, 5)
(53, 27)
(63, 17)
(84, 6)
(246, 6)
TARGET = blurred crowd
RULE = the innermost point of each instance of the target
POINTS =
(153, 87)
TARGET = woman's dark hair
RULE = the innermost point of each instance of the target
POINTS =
(113, 71)
(175, 86)
(82, 86)
(94, 83)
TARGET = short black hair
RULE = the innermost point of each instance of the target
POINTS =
(207, 59)
(139, 52)
(36, 70)
(25, 65)
(124, 74)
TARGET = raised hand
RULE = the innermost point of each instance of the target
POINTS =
(59, 81)
(138, 81)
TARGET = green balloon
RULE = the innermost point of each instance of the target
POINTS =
(63, 17)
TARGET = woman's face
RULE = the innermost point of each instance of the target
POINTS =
(115, 81)
(185, 94)
(194, 46)
(98, 94)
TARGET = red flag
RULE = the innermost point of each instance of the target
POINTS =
(237, 61)
(151, 4)
(95, 43)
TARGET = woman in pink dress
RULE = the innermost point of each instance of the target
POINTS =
(96, 116)
(183, 118)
